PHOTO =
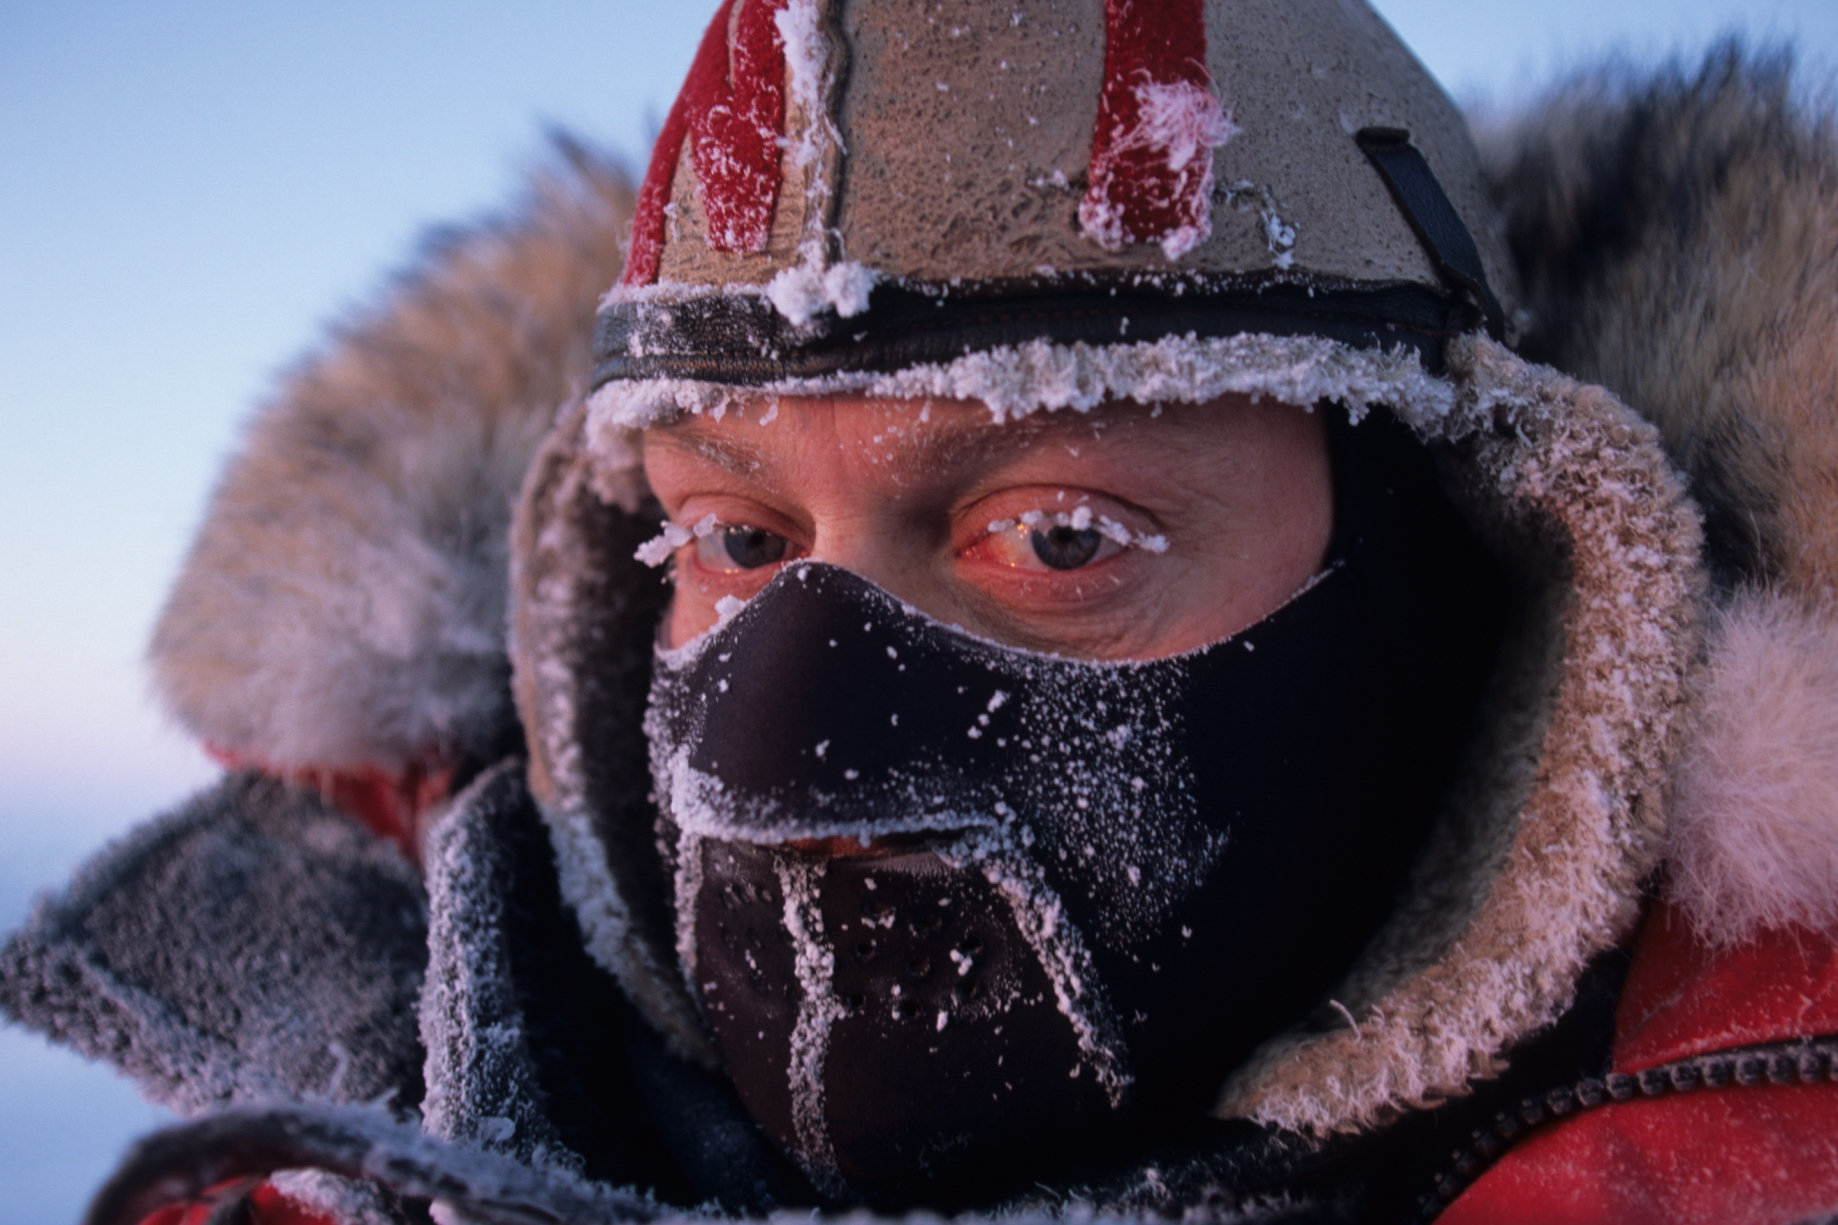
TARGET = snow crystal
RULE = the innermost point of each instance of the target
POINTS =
(818, 1012)
(657, 550)
(1180, 121)
(1081, 519)
(807, 56)
(725, 609)
(1282, 238)
(1182, 118)
(804, 290)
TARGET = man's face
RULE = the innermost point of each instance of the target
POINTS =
(1123, 533)
(948, 898)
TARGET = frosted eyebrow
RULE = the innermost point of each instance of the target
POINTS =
(919, 451)
(728, 454)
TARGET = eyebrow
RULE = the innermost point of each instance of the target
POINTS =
(940, 444)
(728, 454)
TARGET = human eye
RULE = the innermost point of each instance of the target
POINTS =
(729, 548)
(1045, 541)
(715, 547)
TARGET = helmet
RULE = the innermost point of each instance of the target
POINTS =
(852, 190)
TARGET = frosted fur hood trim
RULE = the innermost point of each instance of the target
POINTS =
(1710, 303)
(1574, 763)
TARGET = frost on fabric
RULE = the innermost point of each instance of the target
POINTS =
(736, 113)
(1281, 236)
(818, 1011)
(1014, 381)
(814, 284)
(253, 946)
(586, 880)
(618, 466)
(995, 844)
(348, 1201)
(805, 290)
(809, 78)
(1059, 948)
(1153, 182)
(481, 1081)
(620, 408)
(1080, 756)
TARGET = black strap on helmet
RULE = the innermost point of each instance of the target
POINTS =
(1437, 225)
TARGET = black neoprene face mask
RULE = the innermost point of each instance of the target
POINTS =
(1094, 888)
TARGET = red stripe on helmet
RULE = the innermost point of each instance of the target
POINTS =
(1158, 122)
(731, 110)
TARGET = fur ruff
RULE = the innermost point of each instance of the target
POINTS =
(344, 603)
(1753, 841)
(1679, 243)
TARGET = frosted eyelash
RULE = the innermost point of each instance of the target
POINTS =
(657, 550)
(1080, 519)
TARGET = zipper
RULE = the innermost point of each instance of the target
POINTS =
(1778, 1063)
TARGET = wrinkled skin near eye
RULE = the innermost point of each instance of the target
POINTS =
(1126, 532)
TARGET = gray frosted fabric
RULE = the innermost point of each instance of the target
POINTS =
(482, 1079)
(254, 945)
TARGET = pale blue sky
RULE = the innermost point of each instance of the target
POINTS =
(190, 191)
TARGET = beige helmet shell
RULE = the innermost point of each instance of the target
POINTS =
(971, 153)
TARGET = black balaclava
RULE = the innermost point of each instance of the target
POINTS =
(1093, 888)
